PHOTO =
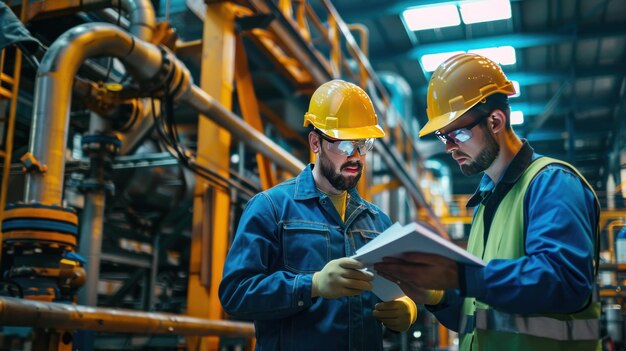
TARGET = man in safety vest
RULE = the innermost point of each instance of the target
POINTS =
(535, 226)
(289, 269)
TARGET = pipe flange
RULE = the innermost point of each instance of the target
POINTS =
(38, 211)
(101, 142)
(17, 238)
(175, 74)
(32, 223)
(91, 184)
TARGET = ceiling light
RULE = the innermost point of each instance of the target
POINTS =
(517, 117)
(430, 62)
(504, 55)
(429, 17)
(485, 10)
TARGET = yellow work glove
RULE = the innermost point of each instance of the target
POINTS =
(341, 277)
(434, 297)
(398, 314)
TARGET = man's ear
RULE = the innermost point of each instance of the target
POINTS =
(497, 121)
(314, 142)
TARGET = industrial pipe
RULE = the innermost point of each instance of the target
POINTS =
(204, 103)
(53, 88)
(141, 17)
(59, 316)
(145, 63)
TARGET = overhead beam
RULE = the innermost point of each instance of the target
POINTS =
(360, 12)
(537, 107)
(554, 135)
(378, 9)
(517, 40)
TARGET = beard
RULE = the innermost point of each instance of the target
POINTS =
(484, 159)
(336, 179)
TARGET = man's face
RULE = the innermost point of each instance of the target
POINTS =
(485, 157)
(342, 172)
(482, 144)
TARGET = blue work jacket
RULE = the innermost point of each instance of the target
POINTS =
(285, 235)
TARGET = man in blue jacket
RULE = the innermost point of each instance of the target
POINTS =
(288, 268)
(535, 226)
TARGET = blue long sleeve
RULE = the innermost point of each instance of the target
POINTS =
(556, 274)
(248, 289)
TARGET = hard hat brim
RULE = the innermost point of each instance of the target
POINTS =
(442, 121)
(355, 133)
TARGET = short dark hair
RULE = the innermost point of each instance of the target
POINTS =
(497, 101)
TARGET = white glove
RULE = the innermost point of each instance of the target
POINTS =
(341, 277)
(397, 315)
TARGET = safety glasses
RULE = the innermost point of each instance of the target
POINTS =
(347, 147)
(460, 135)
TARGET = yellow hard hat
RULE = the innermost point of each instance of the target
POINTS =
(343, 110)
(458, 84)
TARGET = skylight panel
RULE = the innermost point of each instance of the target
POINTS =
(429, 17)
(517, 117)
(503, 55)
(484, 10)
(430, 62)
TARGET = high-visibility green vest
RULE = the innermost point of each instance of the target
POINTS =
(487, 329)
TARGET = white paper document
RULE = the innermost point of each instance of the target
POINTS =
(399, 239)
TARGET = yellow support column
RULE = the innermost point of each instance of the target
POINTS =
(250, 110)
(211, 207)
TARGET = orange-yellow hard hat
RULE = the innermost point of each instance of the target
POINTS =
(343, 110)
(458, 84)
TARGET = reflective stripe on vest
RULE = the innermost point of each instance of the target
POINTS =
(540, 326)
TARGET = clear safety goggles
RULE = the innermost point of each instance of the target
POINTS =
(460, 135)
(347, 147)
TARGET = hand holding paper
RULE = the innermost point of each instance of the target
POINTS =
(417, 271)
(415, 256)
(341, 277)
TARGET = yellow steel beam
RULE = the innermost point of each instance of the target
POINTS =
(250, 110)
(455, 219)
(284, 62)
(375, 189)
(611, 239)
(606, 215)
(8, 147)
(277, 122)
(211, 209)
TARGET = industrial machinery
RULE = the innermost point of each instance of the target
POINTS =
(135, 133)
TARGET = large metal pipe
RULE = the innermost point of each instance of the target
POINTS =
(141, 17)
(29, 313)
(91, 229)
(53, 88)
(144, 62)
(204, 103)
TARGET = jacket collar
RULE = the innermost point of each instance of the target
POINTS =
(513, 171)
(305, 185)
